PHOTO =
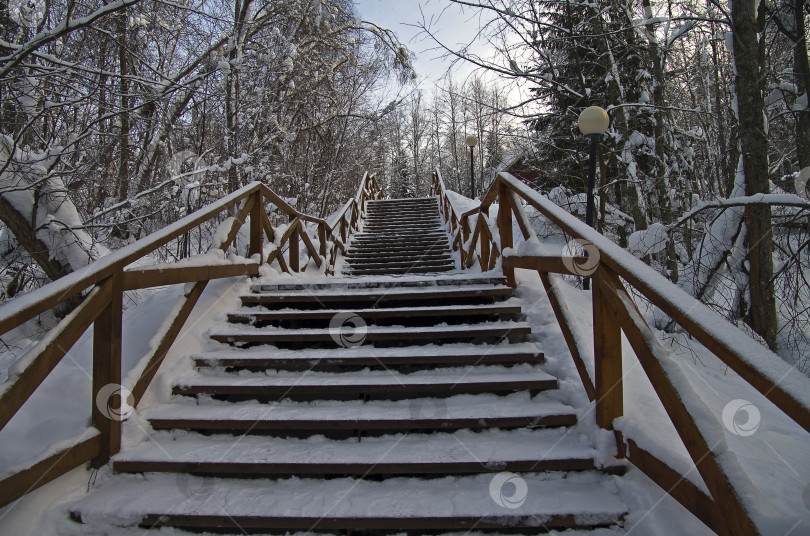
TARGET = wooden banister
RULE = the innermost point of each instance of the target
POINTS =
(29, 305)
(614, 312)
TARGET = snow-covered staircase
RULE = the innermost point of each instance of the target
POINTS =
(382, 404)
(400, 236)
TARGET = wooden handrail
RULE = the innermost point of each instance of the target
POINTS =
(108, 277)
(482, 246)
(27, 306)
(613, 312)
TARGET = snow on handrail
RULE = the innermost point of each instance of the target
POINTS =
(45, 297)
(705, 324)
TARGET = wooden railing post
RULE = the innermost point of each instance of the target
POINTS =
(293, 249)
(607, 352)
(256, 221)
(505, 227)
(111, 401)
(322, 239)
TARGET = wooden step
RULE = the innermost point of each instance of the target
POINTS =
(370, 315)
(394, 235)
(332, 284)
(408, 214)
(382, 240)
(405, 262)
(353, 385)
(393, 271)
(271, 335)
(432, 217)
(359, 255)
(377, 297)
(365, 356)
(412, 228)
(476, 412)
(425, 220)
(462, 452)
(420, 201)
(400, 232)
(414, 209)
(401, 249)
(552, 501)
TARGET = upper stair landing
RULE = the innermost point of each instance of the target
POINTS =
(398, 237)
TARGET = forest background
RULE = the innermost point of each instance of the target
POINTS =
(118, 118)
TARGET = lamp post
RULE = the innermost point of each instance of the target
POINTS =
(472, 141)
(593, 122)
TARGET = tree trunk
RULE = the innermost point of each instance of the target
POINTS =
(754, 146)
(123, 136)
(801, 68)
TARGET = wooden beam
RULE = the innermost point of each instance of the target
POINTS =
(652, 356)
(472, 252)
(108, 395)
(168, 274)
(49, 468)
(486, 243)
(505, 228)
(237, 224)
(268, 227)
(607, 356)
(322, 232)
(672, 482)
(313, 252)
(293, 250)
(49, 351)
(566, 321)
(256, 223)
(171, 328)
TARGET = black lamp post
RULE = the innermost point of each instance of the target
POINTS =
(593, 122)
(472, 141)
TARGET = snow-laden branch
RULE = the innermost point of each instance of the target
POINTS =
(782, 200)
(20, 52)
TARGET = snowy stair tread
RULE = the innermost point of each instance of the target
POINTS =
(460, 411)
(400, 263)
(461, 452)
(248, 315)
(380, 282)
(551, 501)
(381, 384)
(457, 354)
(379, 294)
(372, 333)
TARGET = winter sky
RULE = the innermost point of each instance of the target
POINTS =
(454, 26)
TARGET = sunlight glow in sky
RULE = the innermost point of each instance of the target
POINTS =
(454, 26)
